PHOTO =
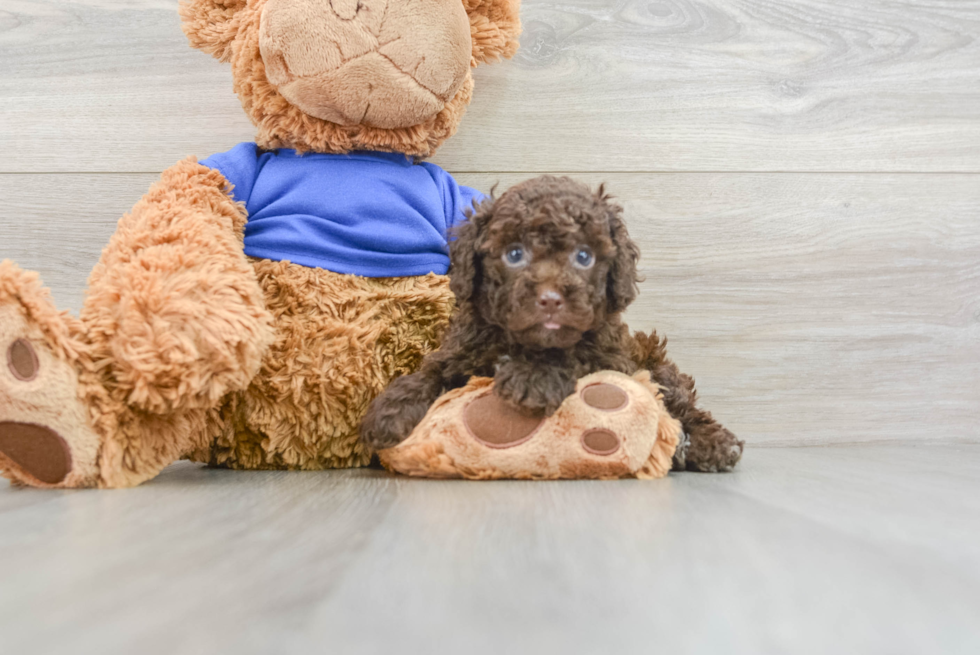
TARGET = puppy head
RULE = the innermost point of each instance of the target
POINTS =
(547, 261)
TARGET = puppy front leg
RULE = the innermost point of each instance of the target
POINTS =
(532, 387)
(394, 414)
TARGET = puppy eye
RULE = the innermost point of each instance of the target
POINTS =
(515, 255)
(583, 257)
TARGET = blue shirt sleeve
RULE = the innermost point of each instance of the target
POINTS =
(457, 199)
(240, 166)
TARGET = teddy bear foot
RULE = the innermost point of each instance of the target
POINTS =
(45, 436)
(613, 426)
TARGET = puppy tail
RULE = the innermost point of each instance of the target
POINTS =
(680, 396)
(649, 352)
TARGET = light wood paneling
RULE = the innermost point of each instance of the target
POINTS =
(111, 85)
(801, 550)
(810, 308)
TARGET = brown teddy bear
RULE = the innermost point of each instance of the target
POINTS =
(251, 305)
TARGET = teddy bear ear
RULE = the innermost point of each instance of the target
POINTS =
(495, 26)
(211, 25)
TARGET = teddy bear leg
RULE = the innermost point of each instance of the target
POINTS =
(173, 320)
(46, 436)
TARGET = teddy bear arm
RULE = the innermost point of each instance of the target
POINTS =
(174, 307)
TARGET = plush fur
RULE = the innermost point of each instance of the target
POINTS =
(539, 325)
(185, 347)
(230, 30)
(366, 62)
(340, 339)
(277, 377)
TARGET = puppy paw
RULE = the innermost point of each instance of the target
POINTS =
(394, 414)
(713, 449)
(680, 454)
(531, 390)
(386, 429)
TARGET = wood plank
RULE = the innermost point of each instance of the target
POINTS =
(693, 568)
(810, 308)
(720, 85)
(879, 543)
(303, 530)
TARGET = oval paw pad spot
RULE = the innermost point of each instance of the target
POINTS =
(600, 442)
(22, 360)
(36, 449)
(606, 397)
(496, 424)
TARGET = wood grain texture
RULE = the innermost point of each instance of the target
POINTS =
(627, 85)
(813, 308)
(810, 308)
(803, 550)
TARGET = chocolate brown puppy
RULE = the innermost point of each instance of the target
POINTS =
(541, 277)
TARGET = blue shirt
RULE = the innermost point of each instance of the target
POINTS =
(373, 214)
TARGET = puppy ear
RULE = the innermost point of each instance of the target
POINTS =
(495, 26)
(465, 270)
(211, 25)
(621, 284)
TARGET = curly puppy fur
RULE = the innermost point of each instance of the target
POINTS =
(541, 278)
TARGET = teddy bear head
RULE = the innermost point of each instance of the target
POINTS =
(342, 75)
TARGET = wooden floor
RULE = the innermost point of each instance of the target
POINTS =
(861, 549)
(803, 177)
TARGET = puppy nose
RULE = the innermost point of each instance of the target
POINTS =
(550, 301)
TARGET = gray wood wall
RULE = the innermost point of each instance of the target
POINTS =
(803, 177)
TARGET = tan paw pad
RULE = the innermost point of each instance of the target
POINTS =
(604, 396)
(495, 424)
(39, 451)
(22, 360)
(601, 442)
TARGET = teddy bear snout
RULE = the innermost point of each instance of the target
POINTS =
(382, 63)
